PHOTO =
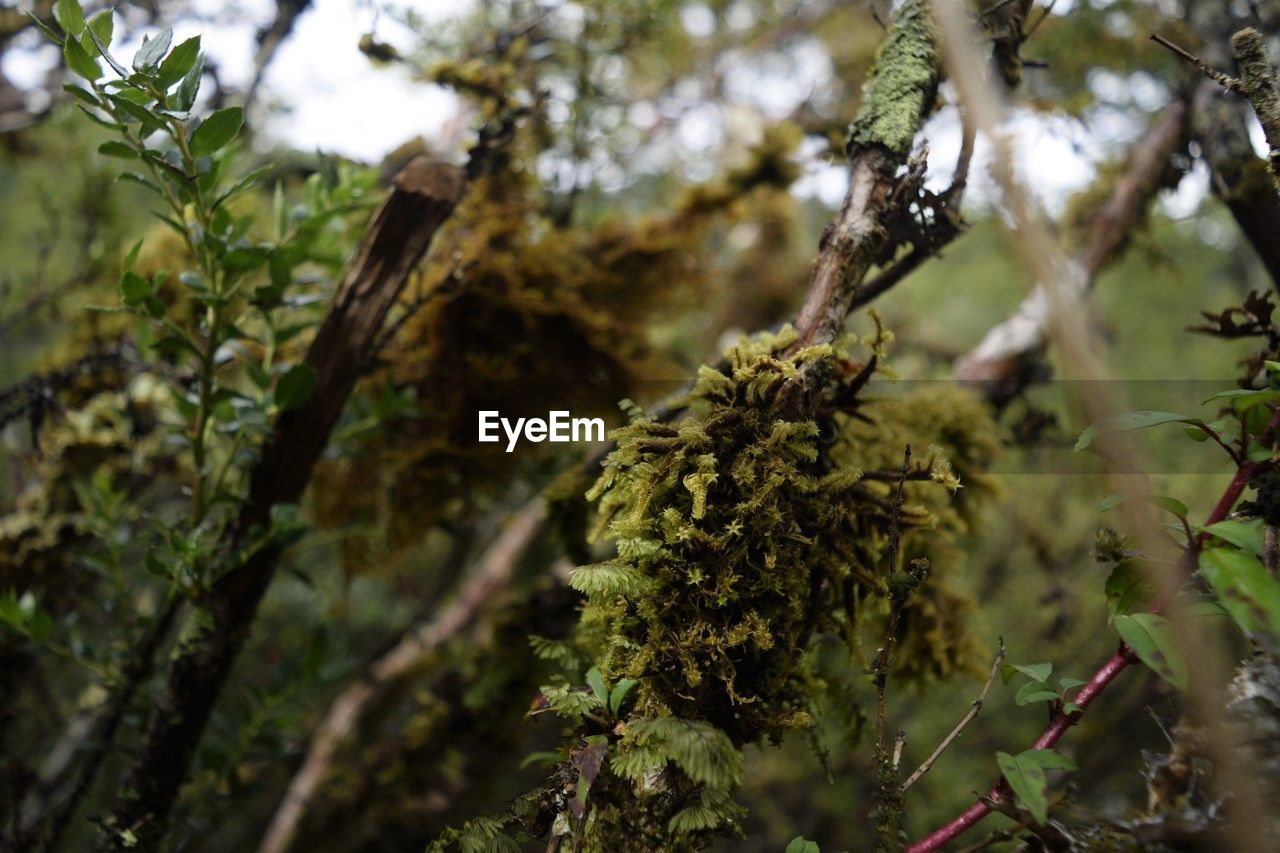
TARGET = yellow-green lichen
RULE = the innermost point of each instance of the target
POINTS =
(903, 84)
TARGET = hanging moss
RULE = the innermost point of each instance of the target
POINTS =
(531, 316)
(936, 641)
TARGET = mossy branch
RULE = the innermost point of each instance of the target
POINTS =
(899, 95)
(1256, 83)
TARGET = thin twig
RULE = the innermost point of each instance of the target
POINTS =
(1224, 80)
(65, 791)
(968, 718)
(897, 598)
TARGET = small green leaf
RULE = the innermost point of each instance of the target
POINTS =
(1243, 399)
(134, 288)
(1069, 683)
(100, 29)
(178, 63)
(1034, 671)
(97, 119)
(1245, 535)
(132, 257)
(79, 61)
(148, 57)
(44, 28)
(1035, 691)
(619, 694)
(1028, 782)
(114, 148)
(800, 844)
(1250, 594)
(97, 32)
(216, 131)
(1129, 586)
(1130, 421)
(596, 682)
(246, 259)
(1050, 759)
(80, 94)
(70, 16)
(185, 96)
(134, 112)
(1152, 639)
(101, 47)
(1025, 773)
(1170, 505)
(295, 386)
(134, 177)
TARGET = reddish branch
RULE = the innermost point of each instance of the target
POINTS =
(424, 195)
(1060, 722)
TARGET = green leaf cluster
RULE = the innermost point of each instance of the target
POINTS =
(1025, 773)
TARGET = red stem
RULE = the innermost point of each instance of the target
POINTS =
(1060, 722)
(1243, 475)
(1057, 727)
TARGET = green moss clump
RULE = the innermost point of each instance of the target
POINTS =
(736, 543)
(903, 85)
(964, 441)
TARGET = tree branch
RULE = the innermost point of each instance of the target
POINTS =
(968, 718)
(1005, 361)
(880, 141)
(1256, 83)
(485, 578)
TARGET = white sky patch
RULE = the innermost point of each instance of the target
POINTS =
(338, 100)
(1055, 161)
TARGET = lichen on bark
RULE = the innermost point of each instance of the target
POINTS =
(903, 85)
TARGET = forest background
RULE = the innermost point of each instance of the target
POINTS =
(647, 183)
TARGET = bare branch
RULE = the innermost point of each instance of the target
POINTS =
(1258, 84)
(968, 718)
(1223, 79)
(490, 573)
(1005, 361)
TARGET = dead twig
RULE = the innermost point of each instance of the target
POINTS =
(1006, 361)
(489, 574)
(1256, 83)
(968, 718)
